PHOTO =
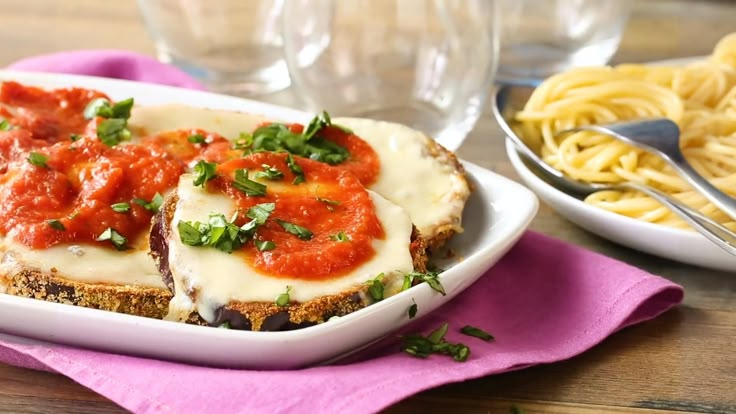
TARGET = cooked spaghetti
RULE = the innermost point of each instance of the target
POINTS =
(700, 98)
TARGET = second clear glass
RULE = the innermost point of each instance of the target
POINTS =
(428, 64)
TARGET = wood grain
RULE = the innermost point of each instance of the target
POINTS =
(683, 361)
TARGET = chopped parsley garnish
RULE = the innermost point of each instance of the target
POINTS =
(120, 207)
(5, 125)
(375, 287)
(431, 278)
(196, 139)
(152, 205)
(296, 230)
(203, 172)
(413, 309)
(249, 187)
(38, 159)
(56, 224)
(279, 137)
(75, 137)
(114, 129)
(296, 169)
(330, 204)
(117, 239)
(476, 332)
(283, 299)
(264, 245)
(260, 212)
(101, 107)
(422, 347)
(269, 172)
(224, 235)
(340, 237)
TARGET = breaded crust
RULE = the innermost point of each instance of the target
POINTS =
(267, 316)
(444, 231)
(141, 301)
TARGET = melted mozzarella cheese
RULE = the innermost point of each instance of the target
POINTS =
(82, 263)
(151, 120)
(427, 185)
(215, 278)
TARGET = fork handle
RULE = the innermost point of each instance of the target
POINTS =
(716, 196)
(713, 231)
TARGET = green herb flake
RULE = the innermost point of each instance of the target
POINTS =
(189, 234)
(243, 142)
(117, 239)
(376, 287)
(196, 139)
(101, 107)
(330, 204)
(296, 169)
(120, 207)
(153, 206)
(5, 125)
(38, 159)
(264, 245)
(283, 299)
(269, 173)
(224, 325)
(56, 224)
(113, 131)
(477, 332)
(413, 309)
(431, 278)
(75, 137)
(260, 212)
(435, 343)
(516, 410)
(204, 171)
(296, 230)
(246, 185)
(340, 237)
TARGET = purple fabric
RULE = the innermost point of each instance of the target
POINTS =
(545, 301)
(117, 64)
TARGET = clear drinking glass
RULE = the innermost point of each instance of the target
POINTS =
(428, 64)
(540, 38)
(232, 46)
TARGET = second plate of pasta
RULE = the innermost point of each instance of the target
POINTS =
(699, 94)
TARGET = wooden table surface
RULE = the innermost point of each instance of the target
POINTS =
(684, 361)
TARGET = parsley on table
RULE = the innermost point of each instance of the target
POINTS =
(422, 347)
(476, 332)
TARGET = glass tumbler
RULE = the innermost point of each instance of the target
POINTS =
(541, 38)
(232, 46)
(428, 64)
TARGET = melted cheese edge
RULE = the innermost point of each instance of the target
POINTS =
(215, 278)
(428, 186)
(82, 263)
(151, 120)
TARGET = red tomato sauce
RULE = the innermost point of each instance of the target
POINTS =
(51, 115)
(77, 187)
(320, 257)
(215, 148)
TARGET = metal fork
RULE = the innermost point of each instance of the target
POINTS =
(713, 231)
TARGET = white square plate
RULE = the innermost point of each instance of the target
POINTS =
(497, 214)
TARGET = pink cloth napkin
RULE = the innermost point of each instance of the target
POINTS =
(545, 301)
